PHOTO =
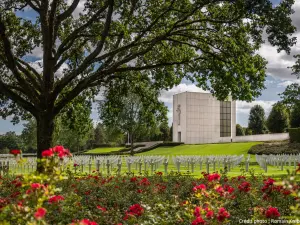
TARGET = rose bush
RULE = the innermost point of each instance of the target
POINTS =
(59, 196)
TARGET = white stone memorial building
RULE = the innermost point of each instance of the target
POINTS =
(200, 118)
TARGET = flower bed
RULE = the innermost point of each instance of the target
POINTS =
(57, 197)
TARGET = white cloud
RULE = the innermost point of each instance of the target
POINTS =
(167, 96)
(288, 82)
(38, 66)
(278, 63)
(37, 52)
(244, 107)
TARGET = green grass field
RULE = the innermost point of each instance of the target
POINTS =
(104, 150)
(206, 149)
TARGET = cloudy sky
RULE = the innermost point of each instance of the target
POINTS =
(279, 76)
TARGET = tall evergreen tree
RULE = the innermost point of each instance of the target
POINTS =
(257, 121)
(278, 120)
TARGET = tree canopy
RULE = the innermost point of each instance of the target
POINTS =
(278, 119)
(295, 116)
(211, 42)
(257, 120)
(131, 112)
(291, 95)
(239, 130)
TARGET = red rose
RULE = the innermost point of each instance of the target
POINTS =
(133, 179)
(40, 213)
(244, 186)
(213, 176)
(197, 211)
(144, 182)
(209, 213)
(56, 198)
(35, 185)
(228, 188)
(272, 212)
(200, 186)
(220, 190)
(134, 210)
(222, 214)
(47, 153)
(15, 152)
(198, 221)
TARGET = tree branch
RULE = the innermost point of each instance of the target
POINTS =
(6, 90)
(31, 69)
(68, 12)
(68, 78)
(147, 67)
(35, 8)
(12, 65)
(76, 33)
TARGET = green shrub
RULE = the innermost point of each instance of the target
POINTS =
(275, 148)
(294, 135)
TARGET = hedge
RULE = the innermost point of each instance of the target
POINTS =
(294, 135)
(274, 148)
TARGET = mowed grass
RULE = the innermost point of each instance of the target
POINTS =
(204, 149)
(219, 149)
(104, 150)
(201, 149)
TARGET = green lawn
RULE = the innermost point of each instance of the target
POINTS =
(103, 150)
(205, 149)
(218, 149)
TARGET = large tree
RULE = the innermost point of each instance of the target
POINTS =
(295, 116)
(10, 140)
(257, 121)
(278, 119)
(131, 112)
(291, 95)
(203, 40)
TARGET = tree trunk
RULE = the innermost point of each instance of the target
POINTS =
(131, 141)
(45, 130)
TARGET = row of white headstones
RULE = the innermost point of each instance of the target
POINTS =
(140, 164)
(278, 161)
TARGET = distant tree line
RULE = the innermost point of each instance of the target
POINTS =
(283, 115)
(96, 136)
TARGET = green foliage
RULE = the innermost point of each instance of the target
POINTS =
(247, 131)
(98, 48)
(239, 130)
(68, 197)
(295, 116)
(294, 135)
(171, 132)
(278, 120)
(283, 147)
(99, 134)
(10, 140)
(29, 135)
(291, 95)
(257, 120)
(134, 108)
